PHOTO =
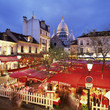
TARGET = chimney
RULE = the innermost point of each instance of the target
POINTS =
(24, 18)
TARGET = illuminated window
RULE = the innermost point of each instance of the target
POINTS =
(87, 50)
(81, 42)
(11, 50)
(81, 50)
(22, 49)
(29, 49)
(99, 50)
(40, 31)
(87, 42)
(36, 50)
(0, 49)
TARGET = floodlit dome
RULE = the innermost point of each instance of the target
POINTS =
(62, 28)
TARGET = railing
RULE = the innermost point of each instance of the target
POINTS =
(96, 107)
(28, 97)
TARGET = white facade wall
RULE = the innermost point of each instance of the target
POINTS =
(90, 47)
(5, 47)
(84, 45)
(26, 47)
(32, 27)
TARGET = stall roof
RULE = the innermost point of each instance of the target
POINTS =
(8, 59)
(66, 79)
(38, 75)
(18, 74)
(99, 81)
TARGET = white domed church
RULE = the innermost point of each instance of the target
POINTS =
(62, 38)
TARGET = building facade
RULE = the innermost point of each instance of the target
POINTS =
(39, 31)
(13, 44)
(94, 44)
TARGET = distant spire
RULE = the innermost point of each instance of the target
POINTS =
(71, 31)
(33, 15)
(62, 18)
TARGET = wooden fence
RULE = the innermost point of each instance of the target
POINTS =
(96, 107)
(28, 97)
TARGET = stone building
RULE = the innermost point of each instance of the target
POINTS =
(62, 38)
(38, 30)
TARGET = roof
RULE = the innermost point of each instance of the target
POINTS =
(22, 37)
(74, 42)
(8, 38)
(45, 26)
(94, 33)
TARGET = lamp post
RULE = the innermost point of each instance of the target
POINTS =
(1, 67)
(47, 61)
(89, 67)
(19, 57)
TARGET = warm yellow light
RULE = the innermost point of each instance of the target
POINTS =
(45, 87)
(55, 88)
(19, 57)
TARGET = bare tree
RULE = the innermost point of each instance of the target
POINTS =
(101, 44)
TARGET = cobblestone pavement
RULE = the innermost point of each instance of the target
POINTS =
(6, 104)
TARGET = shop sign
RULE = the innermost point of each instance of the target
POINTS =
(56, 82)
(62, 83)
(88, 85)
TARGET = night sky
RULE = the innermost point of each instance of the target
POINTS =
(82, 16)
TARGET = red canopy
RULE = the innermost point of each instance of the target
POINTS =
(38, 75)
(8, 59)
(99, 80)
(42, 68)
(54, 64)
(29, 71)
(71, 79)
(18, 74)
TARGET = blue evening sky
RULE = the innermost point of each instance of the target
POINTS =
(81, 16)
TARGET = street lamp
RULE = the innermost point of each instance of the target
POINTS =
(1, 66)
(19, 57)
(89, 67)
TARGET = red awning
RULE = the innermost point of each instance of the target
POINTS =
(69, 79)
(18, 74)
(29, 71)
(8, 59)
(38, 75)
(99, 81)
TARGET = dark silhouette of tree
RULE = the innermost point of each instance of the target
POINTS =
(101, 44)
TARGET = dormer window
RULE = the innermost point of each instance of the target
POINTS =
(20, 37)
(5, 37)
(43, 24)
(30, 39)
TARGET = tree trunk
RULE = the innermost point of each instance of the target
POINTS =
(103, 64)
